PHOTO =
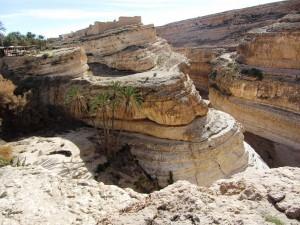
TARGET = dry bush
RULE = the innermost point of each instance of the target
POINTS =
(6, 152)
(5, 155)
(8, 100)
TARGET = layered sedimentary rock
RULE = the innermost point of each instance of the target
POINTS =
(262, 90)
(100, 27)
(173, 133)
(76, 154)
(199, 65)
(276, 47)
(227, 28)
(128, 47)
(60, 62)
(31, 195)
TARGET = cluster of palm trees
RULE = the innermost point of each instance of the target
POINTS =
(104, 106)
(18, 39)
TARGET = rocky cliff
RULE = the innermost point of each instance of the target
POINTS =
(227, 28)
(200, 65)
(260, 86)
(173, 133)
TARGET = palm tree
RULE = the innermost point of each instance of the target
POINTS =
(100, 104)
(2, 30)
(77, 102)
(131, 97)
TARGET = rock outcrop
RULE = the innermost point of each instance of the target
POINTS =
(124, 46)
(61, 62)
(173, 133)
(277, 47)
(260, 87)
(31, 195)
(227, 28)
(200, 65)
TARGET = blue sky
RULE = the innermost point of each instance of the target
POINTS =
(54, 17)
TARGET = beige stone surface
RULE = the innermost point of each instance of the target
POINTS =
(60, 62)
(276, 124)
(31, 195)
(101, 27)
(226, 28)
(199, 64)
(123, 48)
(77, 155)
(273, 46)
(278, 88)
(267, 100)
(276, 50)
(169, 97)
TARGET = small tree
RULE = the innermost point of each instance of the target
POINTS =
(2, 30)
(77, 102)
(104, 107)
(131, 97)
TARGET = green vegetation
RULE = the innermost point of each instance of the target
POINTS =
(213, 75)
(2, 29)
(253, 72)
(18, 39)
(103, 107)
(273, 219)
(76, 101)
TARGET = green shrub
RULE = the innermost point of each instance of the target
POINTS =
(253, 72)
(273, 219)
(213, 75)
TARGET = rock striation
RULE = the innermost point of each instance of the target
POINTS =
(200, 66)
(173, 133)
(260, 86)
(126, 45)
(59, 62)
(31, 195)
(227, 28)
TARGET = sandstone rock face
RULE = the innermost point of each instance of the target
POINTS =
(31, 195)
(284, 131)
(200, 65)
(264, 93)
(60, 62)
(76, 154)
(101, 27)
(276, 46)
(224, 29)
(132, 47)
(173, 133)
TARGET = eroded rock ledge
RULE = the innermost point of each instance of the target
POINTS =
(260, 86)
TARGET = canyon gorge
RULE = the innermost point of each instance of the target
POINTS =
(193, 122)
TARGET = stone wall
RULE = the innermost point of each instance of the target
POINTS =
(100, 27)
